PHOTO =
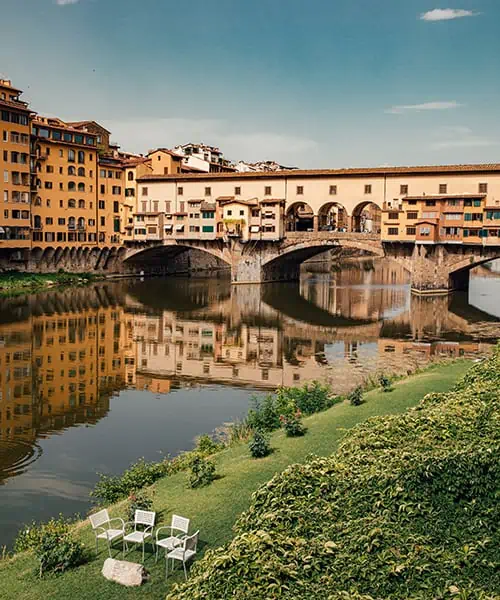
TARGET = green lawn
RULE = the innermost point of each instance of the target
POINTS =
(214, 509)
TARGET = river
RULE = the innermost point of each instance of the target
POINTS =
(93, 378)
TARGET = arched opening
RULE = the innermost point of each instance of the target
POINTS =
(81, 203)
(332, 216)
(81, 172)
(81, 156)
(71, 186)
(366, 218)
(71, 223)
(81, 223)
(81, 187)
(299, 217)
(71, 170)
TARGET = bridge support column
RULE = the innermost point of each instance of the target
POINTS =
(429, 274)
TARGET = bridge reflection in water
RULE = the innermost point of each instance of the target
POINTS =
(65, 355)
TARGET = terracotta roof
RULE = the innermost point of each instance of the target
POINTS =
(166, 151)
(22, 106)
(228, 200)
(354, 172)
(272, 201)
(208, 206)
(132, 162)
(58, 124)
(78, 124)
(187, 169)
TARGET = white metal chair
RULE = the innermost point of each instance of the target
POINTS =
(178, 529)
(144, 519)
(101, 526)
(184, 552)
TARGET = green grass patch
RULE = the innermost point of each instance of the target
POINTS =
(215, 509)
(13, 283)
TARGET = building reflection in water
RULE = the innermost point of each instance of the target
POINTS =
(63, 355)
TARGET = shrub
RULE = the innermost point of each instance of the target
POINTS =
(292, 424)
(206, 445)
(356, 396)
(202, 472)
(57, 553)
(264, 414)
(385, 383)
(30, 537)
(139, 500)
(259, 445)
(309, 399)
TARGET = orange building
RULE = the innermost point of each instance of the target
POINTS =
(14, 168)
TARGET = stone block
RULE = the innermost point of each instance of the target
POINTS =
(124, 572)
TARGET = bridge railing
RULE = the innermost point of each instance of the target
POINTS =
(329, 235)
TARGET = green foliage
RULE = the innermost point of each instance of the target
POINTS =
(57, 553)
(292, 424)
(407, 508)
(259, 445)
(385, 383)
(206, 445)
(202, 471)
(139, 500)
(30, 537)
(309, 399)
(356, 396)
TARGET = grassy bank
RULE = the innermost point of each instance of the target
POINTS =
(215, 509)
(13, 283)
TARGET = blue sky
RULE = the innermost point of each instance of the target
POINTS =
(312, 83)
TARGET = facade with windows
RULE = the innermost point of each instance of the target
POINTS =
(15, 182)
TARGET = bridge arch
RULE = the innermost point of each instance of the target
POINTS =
(367, 217)
(459, 272)
(299, 217)
(333, 216)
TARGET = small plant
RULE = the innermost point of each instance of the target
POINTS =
(385, 383)
(138, 500)
(30, 537)
(57, 553)
(292, 424)
(202, 472)
(206, 445)
(356, 396)
(259, 445)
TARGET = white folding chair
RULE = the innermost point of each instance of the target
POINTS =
(186, 551)
(101, 526)
(177, 530)
(143, 523)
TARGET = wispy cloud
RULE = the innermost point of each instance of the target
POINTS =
(447, 14)
(468, 142)
(66, 2)
(400, 109)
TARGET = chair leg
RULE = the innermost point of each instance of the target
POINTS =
(185, 573)
(166, 566)
(109, 549)
(96, 547)
(142, 549)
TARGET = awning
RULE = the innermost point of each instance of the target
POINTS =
(168, 227)
(179, 228)
(254, 229)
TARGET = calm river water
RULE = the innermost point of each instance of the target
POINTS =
(91, 379)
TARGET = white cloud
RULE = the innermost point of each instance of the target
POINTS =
(398, 110)
(66, 2)
(447, 14)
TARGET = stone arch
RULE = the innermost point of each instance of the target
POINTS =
(333, 216)
(36, 253)
(299, 217)
(459, 272)
(367, 217)
(286, 266)
(57, 255)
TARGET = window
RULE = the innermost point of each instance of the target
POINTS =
(48, 185)
(411, 215)
(443, 188)
(103, 221)
(116, 190)
(453, 216)
(81, 156)
(81, 187)
(237, 191)
(144, 191)
(207, 228)
(300, 190)
(48, 221)
(393, 231)
(81, 203)
(209, 214)
(403, 190)
(102, 205)
(81, 172)
(71, 203)
(425, 231)
(483, 188)
(477, 203)
(430, 203)
(61, 221)
(229, 212)
(393, 215)
(116, 207)
(411, 230)
(208, 191)
(180, 191)
(430, 215)
(267, 190)
(71, 155)
(71, 170)
(368, 189)
(333, 190)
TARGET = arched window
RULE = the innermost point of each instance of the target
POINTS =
(71, 203)
(130, 176)
(71, 223)
(81, 223)
(81, 187)
(38, 201)
(81, 172)
(81, 203)
(71, 186)
(71, 155)
(81, 156)
(71, 170)
(38, 167)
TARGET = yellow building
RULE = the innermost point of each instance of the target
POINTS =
(14, 168)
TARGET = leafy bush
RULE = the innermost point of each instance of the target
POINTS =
(406, 508)
(292, 424)
(356, 396)
(30, 537)
(259, 445)
(309, 399)
(202, 472)
(265, 414)
(385, 383)
(57, 553)
(207, 446)
(139, 500)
